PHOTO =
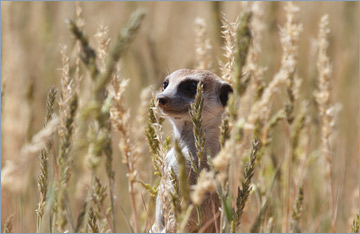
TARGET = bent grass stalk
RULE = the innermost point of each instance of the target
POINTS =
(100, 80)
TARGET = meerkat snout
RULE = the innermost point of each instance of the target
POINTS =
(163, 100)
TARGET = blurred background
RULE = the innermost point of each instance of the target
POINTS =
(30, 64)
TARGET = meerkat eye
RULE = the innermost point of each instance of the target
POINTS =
(165, 84)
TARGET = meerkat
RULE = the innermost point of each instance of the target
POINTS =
(178, 92)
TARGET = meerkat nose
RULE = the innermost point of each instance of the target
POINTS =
(163, 100)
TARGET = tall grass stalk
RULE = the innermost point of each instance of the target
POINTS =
(326, 109)
(289, 38)
(44, 161)
(195, 113)
(243, 39)
(100, 80)
(120, 119)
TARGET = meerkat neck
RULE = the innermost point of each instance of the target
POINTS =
(183, 131)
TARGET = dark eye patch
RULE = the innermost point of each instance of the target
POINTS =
(188, 88)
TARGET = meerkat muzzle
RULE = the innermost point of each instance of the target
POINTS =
(163, 100)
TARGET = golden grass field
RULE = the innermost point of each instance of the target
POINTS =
(298, 95)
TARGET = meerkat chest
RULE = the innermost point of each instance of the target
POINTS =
(171, 161)
(171, 158)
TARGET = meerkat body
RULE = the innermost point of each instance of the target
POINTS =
(178, 93)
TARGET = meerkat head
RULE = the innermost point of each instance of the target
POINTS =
(179, 90)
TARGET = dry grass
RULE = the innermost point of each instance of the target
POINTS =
(289, 137)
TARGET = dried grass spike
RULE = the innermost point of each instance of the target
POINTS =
(8, 226)
(323, 98)
(103, 40)
(229, 34)
(195, 113)
(93, 222)
(244, 192)
(355, 225)
(243, 39)
(297, 211)
(205, 184)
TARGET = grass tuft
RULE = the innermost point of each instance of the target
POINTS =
(245, 190)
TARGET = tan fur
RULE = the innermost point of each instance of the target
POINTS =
(177, 111)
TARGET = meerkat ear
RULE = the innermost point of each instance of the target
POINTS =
(225, 90)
